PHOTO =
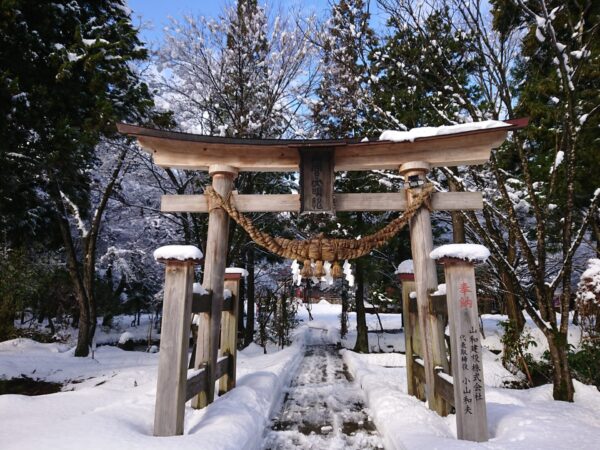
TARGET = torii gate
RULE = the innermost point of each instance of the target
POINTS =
(316, 160)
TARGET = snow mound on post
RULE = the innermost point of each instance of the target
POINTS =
(406, 266)
(243, 272)
(467, 252)
(178, 252)
(423, 132)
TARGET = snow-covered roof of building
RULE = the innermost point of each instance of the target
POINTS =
(178, 252)
(466, 252)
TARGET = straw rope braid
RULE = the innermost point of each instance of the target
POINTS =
(321, 248)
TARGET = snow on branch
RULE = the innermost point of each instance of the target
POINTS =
(578, 238)
(81, 226)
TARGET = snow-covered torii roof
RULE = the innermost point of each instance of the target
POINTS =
(464, 144)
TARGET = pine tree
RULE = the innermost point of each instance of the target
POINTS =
(66, 77)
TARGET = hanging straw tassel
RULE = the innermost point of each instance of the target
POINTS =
(336, 270)
(319, 270)
(307, 271)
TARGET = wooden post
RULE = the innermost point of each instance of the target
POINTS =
(465, 341)
(408, 285)
(217, 244)
(432, 331)
(174, 346)
(229, 332)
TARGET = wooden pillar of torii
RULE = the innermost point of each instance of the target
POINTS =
(317, 160)
(217, 245)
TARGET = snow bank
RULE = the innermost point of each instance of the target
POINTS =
(112, 404)
(517, 419)
(178, 252)
(406, 266)
(467, 252)
(415, 133)
(126, 337)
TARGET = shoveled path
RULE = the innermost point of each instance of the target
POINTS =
(323, 408)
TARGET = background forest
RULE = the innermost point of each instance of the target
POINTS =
(79, 203)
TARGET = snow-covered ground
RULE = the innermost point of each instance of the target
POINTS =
(108, 402)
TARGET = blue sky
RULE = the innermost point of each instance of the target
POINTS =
(153, 14)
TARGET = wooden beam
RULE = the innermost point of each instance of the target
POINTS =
(200, 155)
(188, 151)
(446, 150)
(438, 305)
(198, 381)
(444, 387)
(202, 303)
(394, 201)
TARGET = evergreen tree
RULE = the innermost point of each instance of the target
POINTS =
(65, 78)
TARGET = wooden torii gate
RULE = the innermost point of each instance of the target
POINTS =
(316, 160)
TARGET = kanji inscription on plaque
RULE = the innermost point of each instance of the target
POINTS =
(316, 180)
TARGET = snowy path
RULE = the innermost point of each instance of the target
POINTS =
(323, 408)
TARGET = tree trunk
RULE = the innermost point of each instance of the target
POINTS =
(596, 234)
(250, 297)
(362, 338)
(514, 312)
(513, 309)
(83, 334)
(344, 315)
(561, 375)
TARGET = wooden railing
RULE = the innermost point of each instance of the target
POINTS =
(463, 389)
(179, 378)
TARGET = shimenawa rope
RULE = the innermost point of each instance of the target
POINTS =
(321, 248)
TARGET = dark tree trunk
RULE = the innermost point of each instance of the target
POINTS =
(561, 375)
(250, 297)
(7, 319)
(514, 312)
(513, 309)
(83, 334)
(344, 315)
(362, 337)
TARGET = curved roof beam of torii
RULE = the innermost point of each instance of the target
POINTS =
(193, 151)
